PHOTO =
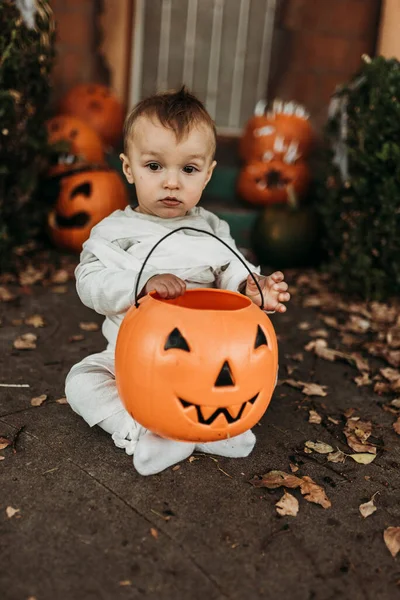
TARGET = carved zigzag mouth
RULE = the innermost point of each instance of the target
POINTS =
(78, 220)
(206, 415)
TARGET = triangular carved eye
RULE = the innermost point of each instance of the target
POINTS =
(261, 340)
(176, 340)
(84, 189)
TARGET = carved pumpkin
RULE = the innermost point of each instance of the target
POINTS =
(293, 126)
(201, 367)
(84, 199)
(259, 125)
(269, 182)
(82, 144)
(97, 106)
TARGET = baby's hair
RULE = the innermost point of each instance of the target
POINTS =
(176, 110)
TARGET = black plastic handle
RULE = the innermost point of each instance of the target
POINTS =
(199, 231)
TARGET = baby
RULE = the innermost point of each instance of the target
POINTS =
(169, 147)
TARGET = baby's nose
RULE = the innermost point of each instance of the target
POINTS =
(171, 180)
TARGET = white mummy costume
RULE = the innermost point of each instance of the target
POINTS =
(105, 279)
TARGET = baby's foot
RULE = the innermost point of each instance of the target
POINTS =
(274, 290)
(154, 453)
(236, 447)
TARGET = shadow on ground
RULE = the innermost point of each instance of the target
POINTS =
(89, 527)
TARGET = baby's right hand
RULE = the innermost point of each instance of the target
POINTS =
(167, 286)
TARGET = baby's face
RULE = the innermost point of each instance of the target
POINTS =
(169, 175)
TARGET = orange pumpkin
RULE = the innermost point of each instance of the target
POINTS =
(201, 367)
(99, 107)
(259, 125)
(83, 145)
(271, 182)
(293, 125)
(84, 200)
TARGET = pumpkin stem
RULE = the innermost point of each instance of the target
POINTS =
(293, 200)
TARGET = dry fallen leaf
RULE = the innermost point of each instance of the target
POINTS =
(287, 506)
(88, 326)
(319, 333)
(348, 339)
(293, 468)
(4, 442)
(331, 322)
(314, 493)
(31, 275)
(332, 420)
(60, 276)
(154, 532)
(363, 459)
(125, 582)
(314, 389)
(312, 302)
(320, 348)
(310, 490)
(349, 412)
(368, 508)
(314, 417)
(391, 536)
(396, 403)
(11, 512)
(383, 313)
(76, 338)
(393, 337)
(390, 374)
(396, 426)
(357, 432)
(337, 457)
(38, 401)
(357, 324)
(363, 379)
(276, 479)
(319, 447)
(25, 341)
(35, 320)
(62, 401)
(6, 295)
(298, 357)
(310, 389)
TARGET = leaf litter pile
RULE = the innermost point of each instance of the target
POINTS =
(369, 341)
(367, 337)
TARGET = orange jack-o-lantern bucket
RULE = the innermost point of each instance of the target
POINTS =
(200, 367)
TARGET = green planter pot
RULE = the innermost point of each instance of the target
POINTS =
(287, 237)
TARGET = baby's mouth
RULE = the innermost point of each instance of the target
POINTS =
(170, 201)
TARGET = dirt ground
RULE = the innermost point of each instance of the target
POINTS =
(78, 523)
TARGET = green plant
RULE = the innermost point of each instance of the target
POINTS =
(26, 59)
(360, 197)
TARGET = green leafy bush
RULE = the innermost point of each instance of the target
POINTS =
(360, 204)
(26, 58)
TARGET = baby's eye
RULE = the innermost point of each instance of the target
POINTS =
(189, 169)
(153, 166)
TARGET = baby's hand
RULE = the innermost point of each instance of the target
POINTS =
(167, 286)
(274, 290)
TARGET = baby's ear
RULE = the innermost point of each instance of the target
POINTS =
(126, 168)
(210, 172)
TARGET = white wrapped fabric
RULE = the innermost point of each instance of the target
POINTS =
(113, 255)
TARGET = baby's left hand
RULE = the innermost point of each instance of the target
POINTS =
(274, 290)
